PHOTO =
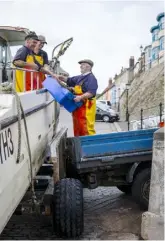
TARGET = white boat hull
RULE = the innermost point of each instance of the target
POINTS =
(15, 177)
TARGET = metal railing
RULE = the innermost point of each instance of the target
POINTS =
(25, 71)
(147, 120)
(34, 78)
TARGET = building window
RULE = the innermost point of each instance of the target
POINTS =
(161, 24)
(161, 43)
(155, 35)
(155, 52)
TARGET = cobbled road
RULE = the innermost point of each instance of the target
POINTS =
(109, 214)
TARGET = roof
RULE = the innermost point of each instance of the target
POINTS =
(154, 28)
(113, 85)
(15, 28)
(160, 15)
(148, 46)
(121, 73)
(13, 35)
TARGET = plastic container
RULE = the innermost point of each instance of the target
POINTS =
(61, 95)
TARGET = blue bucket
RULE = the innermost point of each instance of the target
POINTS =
(61, 95)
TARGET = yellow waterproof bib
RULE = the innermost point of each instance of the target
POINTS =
(24, 79)
(84, 117)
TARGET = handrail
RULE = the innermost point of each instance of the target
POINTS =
(64, 45)
(18, 68)
(142, 118)
(34, 78)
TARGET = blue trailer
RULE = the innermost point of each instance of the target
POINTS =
(120, 159)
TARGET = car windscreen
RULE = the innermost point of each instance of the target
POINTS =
(102, 106)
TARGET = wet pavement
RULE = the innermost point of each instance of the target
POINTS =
(108, 215)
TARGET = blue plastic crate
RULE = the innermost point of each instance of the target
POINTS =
(61, 95)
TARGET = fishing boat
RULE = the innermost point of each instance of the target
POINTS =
(28, 123)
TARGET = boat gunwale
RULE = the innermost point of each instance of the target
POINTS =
(11, 120)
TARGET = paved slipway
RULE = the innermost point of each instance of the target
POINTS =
(109, 214)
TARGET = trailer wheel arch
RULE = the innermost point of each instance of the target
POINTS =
(141, 188)
(135, 169)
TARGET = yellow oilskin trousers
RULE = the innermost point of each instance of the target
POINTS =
(84, 116)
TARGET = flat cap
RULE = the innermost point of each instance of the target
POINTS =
(88, 61)
(42, 38)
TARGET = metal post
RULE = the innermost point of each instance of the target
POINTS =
(119, 106)
(37, 81)
(31, 76)
(128, 121)
(160, 106)
(127, 106)
(141, 118)
(119, 100)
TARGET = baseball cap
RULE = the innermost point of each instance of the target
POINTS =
(42, 38)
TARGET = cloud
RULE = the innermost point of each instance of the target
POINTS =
(106, 32)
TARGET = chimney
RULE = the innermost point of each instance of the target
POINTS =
(131, 62)
(110, 81)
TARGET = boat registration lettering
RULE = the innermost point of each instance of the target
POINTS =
(6, 145)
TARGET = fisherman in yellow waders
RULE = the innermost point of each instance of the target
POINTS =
(27, 58)
(84, 87)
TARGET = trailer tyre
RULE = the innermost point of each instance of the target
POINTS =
(125, 188)
(67, 208)
(141, 188)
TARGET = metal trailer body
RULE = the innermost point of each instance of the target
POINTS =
(114, 159)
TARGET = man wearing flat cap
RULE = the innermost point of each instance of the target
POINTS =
(85, 87)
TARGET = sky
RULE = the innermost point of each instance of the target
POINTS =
(107, 32)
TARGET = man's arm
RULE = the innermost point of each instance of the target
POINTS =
(82, 97)
(46, 66)
(91, 89)
(71, 81)
(86, 95)
(23, 64)
(49, 72)
(20, 59)
(46, 61)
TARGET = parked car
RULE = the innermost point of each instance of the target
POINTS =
(106, 102)
(106, 114)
